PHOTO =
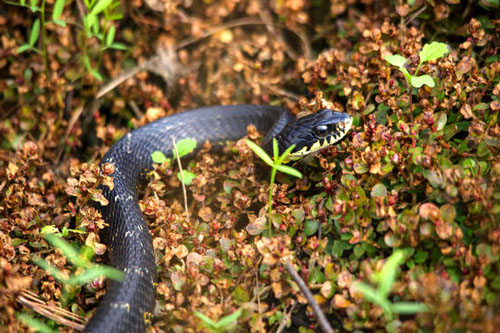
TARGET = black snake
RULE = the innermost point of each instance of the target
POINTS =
(127, 305)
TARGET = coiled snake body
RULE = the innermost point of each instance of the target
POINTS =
(127, 305)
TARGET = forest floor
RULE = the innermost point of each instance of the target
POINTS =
(395, 228)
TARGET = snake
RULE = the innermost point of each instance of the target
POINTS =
(128, 304)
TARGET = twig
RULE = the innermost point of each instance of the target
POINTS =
(418, 12)
(320, 316)
(286, 318)
(258, 293)
(182, 178)
(135, 109)
(74, 118)
(60, 315)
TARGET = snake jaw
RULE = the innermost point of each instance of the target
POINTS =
(315, 132)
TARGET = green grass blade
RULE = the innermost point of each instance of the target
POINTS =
(289, 171)
(276, 150)
(285, 154)
(69, 251)
(93, 273)
(36, 324)
(206, 320)
(229, 319)
(58, 9)
(35, 32)
(389, 271)
(260, 152)
(110, 37)
(409, 308)
(51, 270)
(373, 296)
(100, 6)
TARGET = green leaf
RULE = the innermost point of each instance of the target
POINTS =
(118, 46)
(373, 296)
(206, 320)
(33, 6)
(86, 62)
(35, 31)
(441, 122)
(240, 295)
(396, 60)
(310, 227)
(408, 308)
(88, 21)
(95, 73)
(420, 256)
(432, 51)
(185, 147)
(60, 23)
(285, 153)
(419, 81)
(51, 270)
(379, 190)
(389, 271)
(488, 4)
(276, 151)
(95, 28)
(100, 6)
(289, 170)
(69, 251)
(110, 37)
(90, 274)
(188, 177)
(35, 324)
(229, 319)
(260, 152)
(58, 9)
(158, 157)
(23, 48)
(50, 229)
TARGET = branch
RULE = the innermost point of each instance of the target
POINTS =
(320, 316)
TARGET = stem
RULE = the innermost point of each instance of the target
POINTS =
(182, 178)
(270, 204)
(418, 67)
(44, 41)
(320, 316)
(410, 93)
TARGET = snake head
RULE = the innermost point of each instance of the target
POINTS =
(313, 132)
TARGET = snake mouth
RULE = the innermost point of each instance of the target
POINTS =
(335, 132)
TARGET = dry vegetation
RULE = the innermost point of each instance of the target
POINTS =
(419, 170)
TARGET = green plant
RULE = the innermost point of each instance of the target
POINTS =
(223, 325)
(184, 147)
(385, 279)
(36, 324)
(97, 23)
(276, 165)
(35, 28)
(85, 271)
(429, 52)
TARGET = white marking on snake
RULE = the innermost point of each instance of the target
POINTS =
(129, 139)
(125, 306)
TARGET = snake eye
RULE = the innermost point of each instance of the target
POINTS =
(321, 130)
